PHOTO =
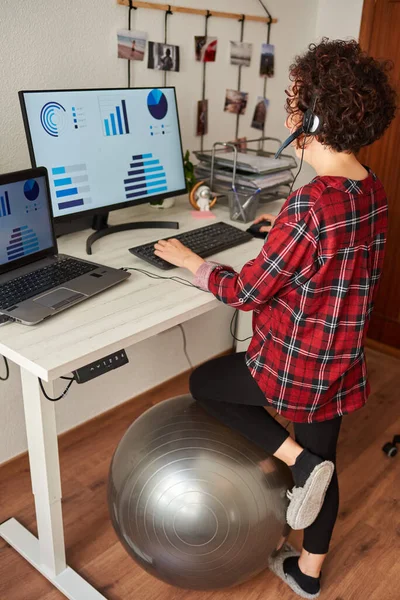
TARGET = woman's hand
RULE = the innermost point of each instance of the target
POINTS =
(266, 217)
(174, 252)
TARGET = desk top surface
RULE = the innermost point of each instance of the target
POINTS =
(127, 313)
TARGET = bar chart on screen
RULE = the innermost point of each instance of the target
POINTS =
(114, 116)
(5, 209)
(146, 176)
(23, 241)
(71, 187)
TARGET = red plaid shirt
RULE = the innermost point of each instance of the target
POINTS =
(312, 289)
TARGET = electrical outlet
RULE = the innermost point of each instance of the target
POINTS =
(101, 366)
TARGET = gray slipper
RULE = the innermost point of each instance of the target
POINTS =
(306, 502)
(275, 564)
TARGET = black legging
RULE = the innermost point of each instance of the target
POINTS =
(227, 391)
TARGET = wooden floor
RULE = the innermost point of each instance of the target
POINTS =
(363, 562)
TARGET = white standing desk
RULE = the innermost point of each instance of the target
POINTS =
(117, 318)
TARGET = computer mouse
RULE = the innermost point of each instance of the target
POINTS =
(255, 229)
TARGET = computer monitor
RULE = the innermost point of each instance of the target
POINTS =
(105, 149)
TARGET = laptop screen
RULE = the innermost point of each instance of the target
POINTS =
(25, 225)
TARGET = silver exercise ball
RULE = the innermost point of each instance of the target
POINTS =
(190, 500)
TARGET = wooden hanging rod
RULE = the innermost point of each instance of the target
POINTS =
(197, 11)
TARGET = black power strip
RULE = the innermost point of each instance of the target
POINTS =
(101, 366)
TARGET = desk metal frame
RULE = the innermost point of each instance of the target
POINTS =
(47, 552)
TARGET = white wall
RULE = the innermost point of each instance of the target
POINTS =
(58, 44)
(339, 19)
(73, 44)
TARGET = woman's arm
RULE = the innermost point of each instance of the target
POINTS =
(289, 252)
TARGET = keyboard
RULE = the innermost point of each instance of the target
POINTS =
(204, 241)
(41, 280)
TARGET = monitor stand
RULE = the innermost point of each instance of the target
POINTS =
(101, 227)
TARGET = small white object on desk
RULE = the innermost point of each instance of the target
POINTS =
(204, 198)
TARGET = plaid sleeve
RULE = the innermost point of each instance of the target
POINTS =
(289, 256)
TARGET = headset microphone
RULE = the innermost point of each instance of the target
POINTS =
(311, 126)
(289, 140)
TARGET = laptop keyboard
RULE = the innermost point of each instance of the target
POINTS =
(22, 288)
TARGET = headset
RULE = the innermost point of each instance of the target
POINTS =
(311, 126)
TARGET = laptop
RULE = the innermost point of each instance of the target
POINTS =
(35, 281)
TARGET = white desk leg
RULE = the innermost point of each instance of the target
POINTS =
(47, 553)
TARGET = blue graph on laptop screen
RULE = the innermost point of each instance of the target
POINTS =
(25, 226)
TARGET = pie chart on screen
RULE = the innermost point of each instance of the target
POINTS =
(31, 189)
(157, 104)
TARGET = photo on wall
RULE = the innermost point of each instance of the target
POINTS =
(205, 48)
(236, 102)
(241, 53)
(260, 113)
(202, 117)
(164, 57)
(131, 44)
(267, 62)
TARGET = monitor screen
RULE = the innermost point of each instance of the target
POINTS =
(25, 221)
(105, 149)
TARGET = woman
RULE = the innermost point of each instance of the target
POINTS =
(311, 290)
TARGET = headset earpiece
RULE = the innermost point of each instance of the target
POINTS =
(311, 123)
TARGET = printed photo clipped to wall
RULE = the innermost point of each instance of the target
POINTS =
(202, 117)
(236, 102)
(267, 62)
(241, 53)
(131, 44)
(260, 113)
(205, 48)
(164, 57)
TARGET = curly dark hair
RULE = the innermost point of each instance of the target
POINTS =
(351, 91)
